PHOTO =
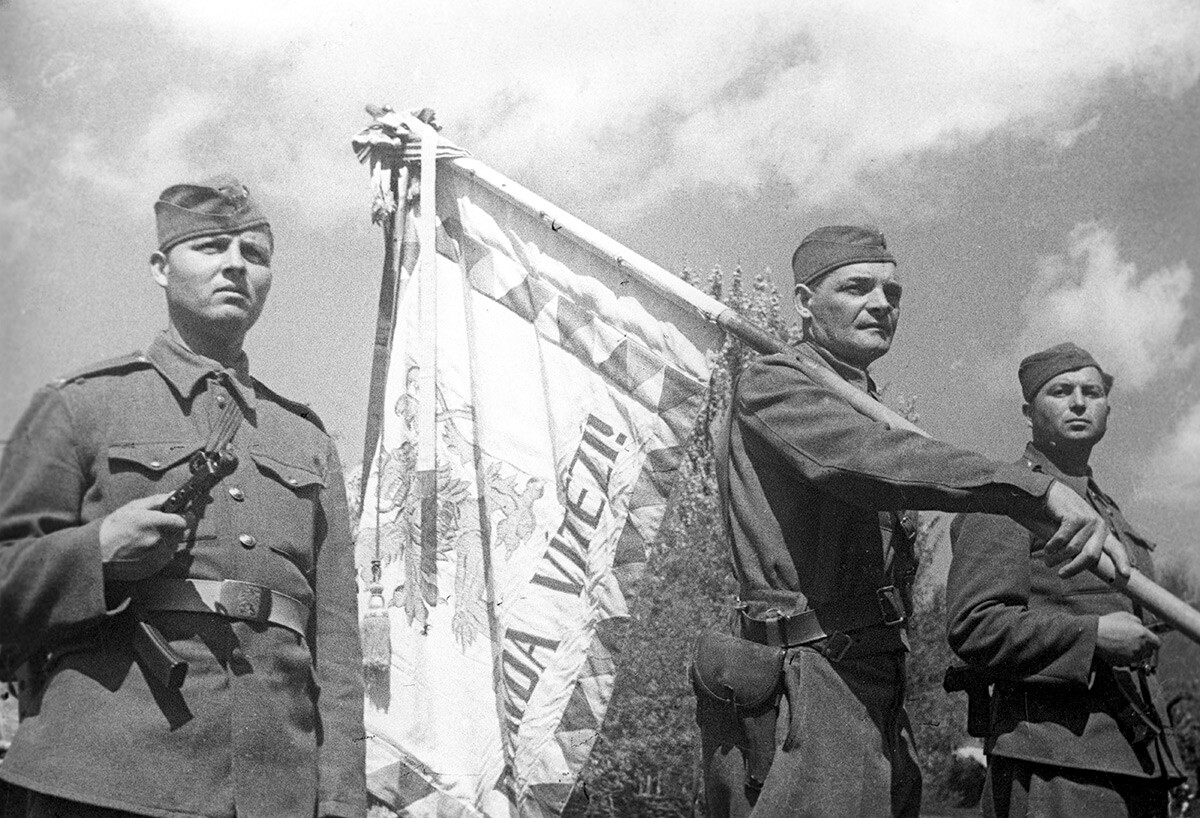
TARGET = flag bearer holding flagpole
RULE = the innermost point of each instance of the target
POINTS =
(801, 708)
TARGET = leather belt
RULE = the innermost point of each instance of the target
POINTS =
(225, 597)
(1037, 703)
(831, 622)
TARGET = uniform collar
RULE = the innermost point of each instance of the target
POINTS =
(184, 369)
(849, 373)
(1085, 486)
(1038, 461)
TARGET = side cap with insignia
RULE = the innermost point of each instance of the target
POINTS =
(218, 205)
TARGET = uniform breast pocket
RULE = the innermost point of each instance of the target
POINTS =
(139, 468)
(293, 485)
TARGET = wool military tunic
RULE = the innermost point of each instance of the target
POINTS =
(808, 476)
(1035, 633)
(813, 491)
(267, 722)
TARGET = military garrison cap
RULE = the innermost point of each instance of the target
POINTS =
(1040, 367)
(827, 248)
(218, 205)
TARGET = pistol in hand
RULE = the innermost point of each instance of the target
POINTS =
(208, 469)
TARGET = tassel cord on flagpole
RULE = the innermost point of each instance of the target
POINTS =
(375, 630)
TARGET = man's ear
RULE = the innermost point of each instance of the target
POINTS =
(1027, 411)
(159, 267)
(802, 300)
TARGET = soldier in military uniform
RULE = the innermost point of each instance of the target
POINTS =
(203, 663)
(1076, 722)
(815, 496)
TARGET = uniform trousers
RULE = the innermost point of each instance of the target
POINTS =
(1015, 788)
(850, 752)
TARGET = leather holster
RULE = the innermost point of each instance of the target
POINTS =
(739, 683)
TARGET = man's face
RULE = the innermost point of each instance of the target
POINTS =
(853, 311)
(216, 282)
(1070, 409)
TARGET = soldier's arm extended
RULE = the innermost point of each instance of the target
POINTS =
(865, 463)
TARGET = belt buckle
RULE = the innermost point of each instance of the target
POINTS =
(774, 630)
(244, 600)
(836, 645)
(891, 605)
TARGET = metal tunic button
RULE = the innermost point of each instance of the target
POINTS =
(247, 540)
(221, 400)
(237, 494)
(293, 481)
(154, 464)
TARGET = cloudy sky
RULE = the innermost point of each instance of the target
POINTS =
(1034, 163)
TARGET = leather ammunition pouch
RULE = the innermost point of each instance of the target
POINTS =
(737, 671)
(738, 684)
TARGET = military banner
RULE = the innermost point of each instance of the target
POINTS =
(536, 403)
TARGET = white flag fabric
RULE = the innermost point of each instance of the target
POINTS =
(556, 393)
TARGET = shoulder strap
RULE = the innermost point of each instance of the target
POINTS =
(296, 407)
(118, 364)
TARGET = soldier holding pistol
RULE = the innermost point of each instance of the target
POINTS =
(801, 708)
(1076, 724)
(202, 658)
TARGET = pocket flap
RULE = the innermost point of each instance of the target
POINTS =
(297, 476)
(737, 670)
(152, 456)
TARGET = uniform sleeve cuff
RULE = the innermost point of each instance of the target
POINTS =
(1079, 660)
(85, 571)
(1031, 483)
(1022, 492)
